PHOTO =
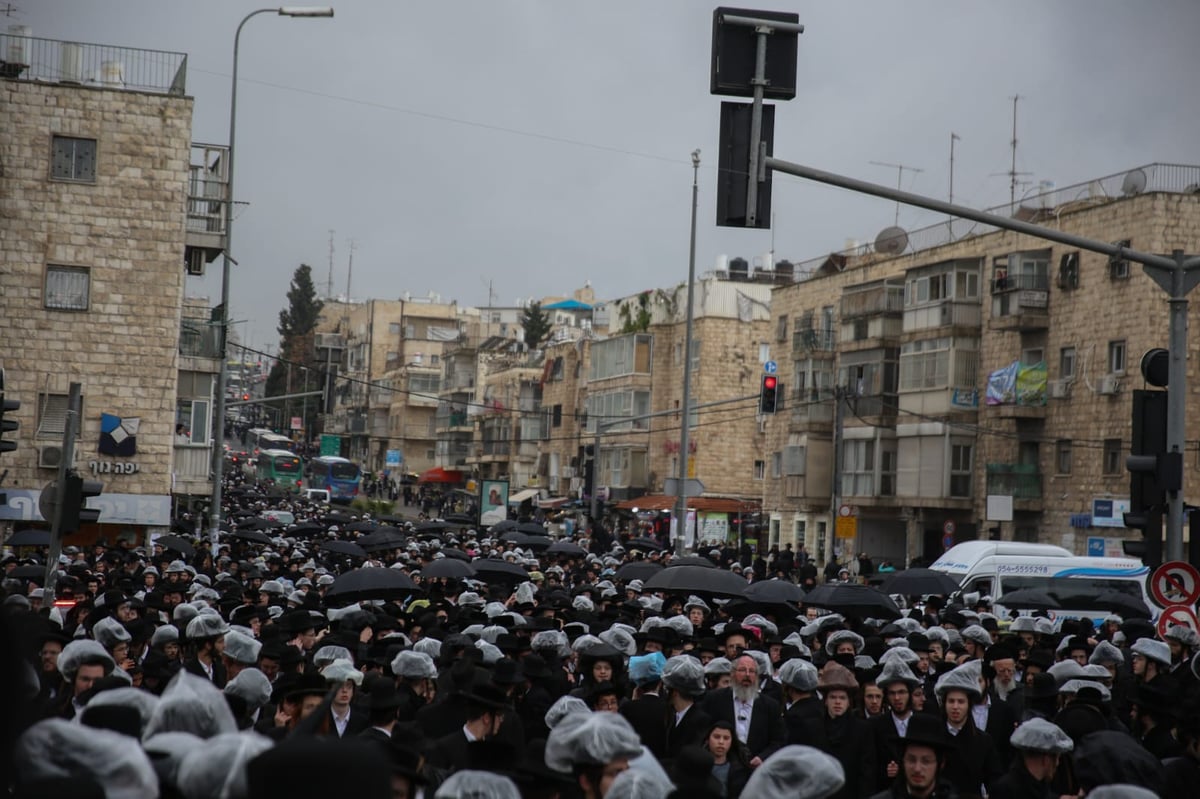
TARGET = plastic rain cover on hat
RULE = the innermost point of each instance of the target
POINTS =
(77, 652)
(164, 635)
(167, 750)
(551, 639)
(1105, 654)
(492, 634)
(1123, 791)
(962, 678)
(428, 646)
(799, 675)
(206, 626)
(976, 634)
(59, 748)
(490, 652)
(109, 632)
(1151, 649)
(414, 666)
(477, 785)
(252, 686)
(525, 593)
(594, 738)
(327, 654)
(1065, 670)
(142, 701)
(645, 669)
(795, 640)
(582, 602)
(217, 770)
(831, 643)
(339, 671)
(901, 653)
(494, 609)
(684, 673)
(1039, 735)
(564, 706)
(718, 666)
(191, 704)
(756, 620)
(631, 784)
(896, 670)
(619, 640)
(242, 648)
(796, 772)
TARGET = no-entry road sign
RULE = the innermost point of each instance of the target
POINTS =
(1174, 583)
(1176, 615)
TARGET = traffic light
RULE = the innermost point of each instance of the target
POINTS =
(245, 398)
(7, 424)
(75, 511)
(768, 394)
(1153, 472)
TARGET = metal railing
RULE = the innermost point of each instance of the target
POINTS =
(1020, 481)
(97, 65)
(872, 299)
(199, 339)
(208, 183)
(1021, 283)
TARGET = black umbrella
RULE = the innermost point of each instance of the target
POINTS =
(498, 570)
(1028, 599)
(502, 526)
(1114, 601)
(256, 523)
(177, 543)
(853, 599)
(359, 527)
(337, 518)
(697, 580)
(774, 592)
(253, 536)
(449, 567)
(648, 544)
(306, 529)
(34, 573)
(241, 514)
(461, 520)
(437, 527)
(532, 528)
(566, 548)
(383, 538)
(457, 554)
(392, 519)
(691, 560)
(30, 538)
(912, 582)
(344, 548)
(371, 583)
(638, 570)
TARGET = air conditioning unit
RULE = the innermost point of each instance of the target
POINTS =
(195, 262)
(1058, 389)
(1109, 385)
(762, 425)
(50, 456)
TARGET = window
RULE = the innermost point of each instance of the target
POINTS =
(760, 470)
(1112, 456)
(776, 465)
(1118, 268)
(68, 288)
(394, 328)
(960, 470)
(858, 468)
(611, 406)
(781, 328)
(1032, 356)
(193, 414)
(557, 417)
(1116, 357)
(1062, 456)
(52, 416)
(623, 355)
(764, 353)
(427, 384)
(822, 534)
(1066, 363)
(429, 454)
(73, 159)
(793, 461)
(798, 527)
(887, 469)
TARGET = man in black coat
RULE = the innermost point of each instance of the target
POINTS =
(686, 722)
(1039, 745)
(888, 731)
(803, 712)
(382, 704)
(757, 719)
(486, 706)
(207, 634)
(647, 711)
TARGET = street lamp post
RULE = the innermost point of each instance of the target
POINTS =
(218, 455)
(684, 444)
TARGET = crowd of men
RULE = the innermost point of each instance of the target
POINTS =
(238, 671)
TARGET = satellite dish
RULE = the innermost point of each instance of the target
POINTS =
(1134, 183)
(891, 240)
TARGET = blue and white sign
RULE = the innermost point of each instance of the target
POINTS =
(394, 459)
(1109, 512)
(770, 367)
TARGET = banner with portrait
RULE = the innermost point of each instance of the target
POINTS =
(493, 502)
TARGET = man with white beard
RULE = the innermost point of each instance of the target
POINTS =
(1005, 685)
(756, 718)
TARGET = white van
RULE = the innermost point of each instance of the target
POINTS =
(993, 568)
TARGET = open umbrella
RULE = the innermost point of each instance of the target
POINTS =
(344, 548)
(177, 543)
(305, 529)
(499, 571)
(1028, 599)
(853, 599)
(697, 580)
(358, 527)
(566, 548)
(253, 536)
(774, 592)
(461, 520)
(1114, 601)
(457, 554)
(337, 517)
(647, 544)
(532, 528)
(691, 560)
(449, 567)
(437, 527)
(371, 583)
(255, 523)
(912, 582)
(638, 570)
(383, 538)
(29, 538)
(502, 526)
(392, 519)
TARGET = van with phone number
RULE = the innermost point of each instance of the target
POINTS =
(996, 568)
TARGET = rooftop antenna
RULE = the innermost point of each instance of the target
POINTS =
(899, 180)
(492, 295)
(1012, 172)
(329, 280)
(349, 275)
(950, 220)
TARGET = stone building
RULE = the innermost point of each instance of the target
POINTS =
(973, 362)
(94, 222)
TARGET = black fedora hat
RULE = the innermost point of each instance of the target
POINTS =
(926, 729)
(535, 667)
(487, 696)
(507, 672)
(384, 696)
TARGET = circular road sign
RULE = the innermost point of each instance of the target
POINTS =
(1174, 583)
(948, 528)
(770, 367)
(948, 541)
(845, 510)
(1176, 615)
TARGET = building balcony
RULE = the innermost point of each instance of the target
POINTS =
(807, 416)
(808, 339)
(877, 406)
(947, 313)
(1023, 482)
(457, 422)
(191, 469)
(199, 338)
(1018, 411)
(98, 66)
(872, 300)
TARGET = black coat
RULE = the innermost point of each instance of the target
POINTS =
(1161, 743)
(896, 790)
(1182, 775)
(449, 752)
(648, 717)
(886, 741)
(531, 708)
(1000, 725)
(804, 722)
(971, 761)
(690, 731)
(357, 723)
(1018, 783)
(767, 733)
(219, 675)
(847, 739)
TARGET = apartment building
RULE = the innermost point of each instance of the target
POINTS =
(101, 212)
(970, 363)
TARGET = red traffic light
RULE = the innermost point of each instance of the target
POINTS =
(245, 397)
(768, 395)
(770, 381)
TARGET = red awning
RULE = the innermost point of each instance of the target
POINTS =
(704, 504)
(439, 475)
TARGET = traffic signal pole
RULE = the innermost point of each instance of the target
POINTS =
(1176, 274)
(60, 492)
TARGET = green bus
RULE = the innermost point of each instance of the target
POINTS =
(280, 467)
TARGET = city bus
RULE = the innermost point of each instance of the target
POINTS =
(267, 439)
(281, 467)
(338, 476)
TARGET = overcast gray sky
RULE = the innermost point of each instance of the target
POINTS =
(538, 145)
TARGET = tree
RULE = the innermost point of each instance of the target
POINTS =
(536, 323)
(297, 323)
(300, 318)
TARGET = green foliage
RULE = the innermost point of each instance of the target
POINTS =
(536, 323)
(639, 321)
(375, 507)
(297, 323)
(300, 318)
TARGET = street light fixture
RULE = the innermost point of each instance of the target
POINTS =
(218, 461)
(684, 444)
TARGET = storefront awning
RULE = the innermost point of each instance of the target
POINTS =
(521, 496)
(702, 504)
(553, 502)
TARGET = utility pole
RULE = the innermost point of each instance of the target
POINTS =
(835, 483)
(685, 423)
(950, 219)
(1012, 170)
(899, 179)
(60, 493)
(329, 280)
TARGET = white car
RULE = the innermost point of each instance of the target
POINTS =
(283, 516)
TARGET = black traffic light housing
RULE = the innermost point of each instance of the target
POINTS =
(7, 423)
(75, 512)
(768, 394)
(1153, 472)
(733, 161)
